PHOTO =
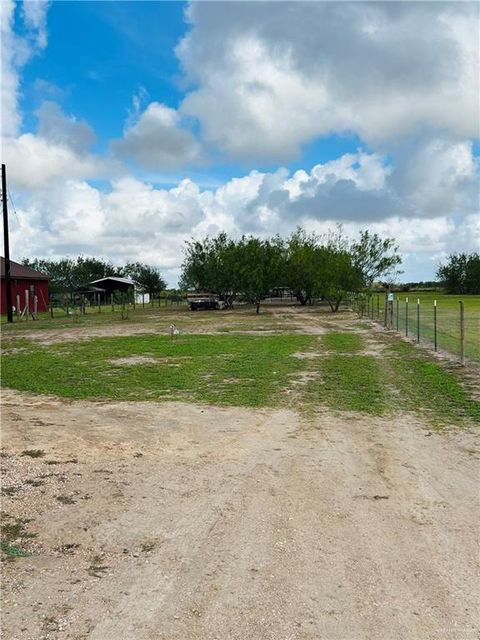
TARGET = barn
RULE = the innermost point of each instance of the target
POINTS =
(24, 279)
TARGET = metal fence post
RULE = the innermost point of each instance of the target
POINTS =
(435, 325)
(378, 306)
(418, 319)
(462, 332)
(398, 314)
(406, 317)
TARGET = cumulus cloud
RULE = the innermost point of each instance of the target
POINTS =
(135, 220)
(157, 141)
(15, 53)
(269, 78)
(57, 127)
(59, 150)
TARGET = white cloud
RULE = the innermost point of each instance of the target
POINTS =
(270, 77)
(35, 18)
(15, 53)
(59, 150)
(32, 162)
(156, 140)
(135, 221)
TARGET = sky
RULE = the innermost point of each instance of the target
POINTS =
(128, 128)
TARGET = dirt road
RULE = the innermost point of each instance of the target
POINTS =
(182, 522)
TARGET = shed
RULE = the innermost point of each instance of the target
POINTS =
(24, 279)
(114, 284)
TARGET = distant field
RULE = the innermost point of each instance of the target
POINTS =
(448, 319)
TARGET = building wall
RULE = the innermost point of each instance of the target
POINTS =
(37, 288)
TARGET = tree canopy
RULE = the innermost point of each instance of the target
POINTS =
(461, 273)
(147, 279)
(312, 266)
(69, 274)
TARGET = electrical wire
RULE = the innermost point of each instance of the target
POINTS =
(13, 206)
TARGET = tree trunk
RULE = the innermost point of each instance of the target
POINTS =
(258, 306)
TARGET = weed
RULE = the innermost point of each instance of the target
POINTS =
(13, 552)
(65, 499)
(33, 453)
(15, 530)
(34, 483)
(97, 570)
(9, 491)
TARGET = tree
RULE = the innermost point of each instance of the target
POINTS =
(461, 273)
(67, 274)
(302, 265)
(339, 273)
(211, 265)
(261, 266)
(147, 279)
(375, 257)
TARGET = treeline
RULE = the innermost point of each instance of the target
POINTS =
(68, 275)
(310, 265)
(461, 273)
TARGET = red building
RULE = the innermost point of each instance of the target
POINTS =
(24, 279)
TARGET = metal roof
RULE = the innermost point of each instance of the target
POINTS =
(115, 279)
(21, 272)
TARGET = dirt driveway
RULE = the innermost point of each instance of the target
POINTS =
(172, 521)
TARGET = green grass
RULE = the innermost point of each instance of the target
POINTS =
(245, 370)
(12, 552)
(427, 387)
(350, 383)
(342, 342)
(448, 319)
(221, 369)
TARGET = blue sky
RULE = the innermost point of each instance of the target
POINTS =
(166, 120)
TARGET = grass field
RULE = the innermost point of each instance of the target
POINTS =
(447, 315)
(336, 369)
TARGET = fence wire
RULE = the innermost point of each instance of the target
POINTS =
(435, 324)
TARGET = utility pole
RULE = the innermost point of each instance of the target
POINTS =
(8, 282)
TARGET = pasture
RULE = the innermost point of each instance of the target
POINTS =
(447, 319)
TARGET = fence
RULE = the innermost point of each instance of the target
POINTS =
(75, 306)
(450, 325)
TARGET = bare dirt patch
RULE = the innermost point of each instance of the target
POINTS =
(306, 355)
(190, 522)
(132, 360)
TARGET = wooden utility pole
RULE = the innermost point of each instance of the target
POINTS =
(8, 281)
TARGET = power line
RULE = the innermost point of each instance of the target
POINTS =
(13, 205)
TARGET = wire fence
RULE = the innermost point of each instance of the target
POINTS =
(448, 325)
